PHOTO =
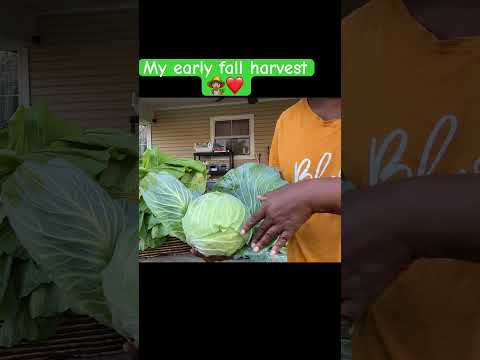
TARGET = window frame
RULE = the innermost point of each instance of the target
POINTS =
(251, 132)
(149, 133)
(22, 77)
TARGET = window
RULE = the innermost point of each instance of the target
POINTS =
(235, 133)
(14, 83)
(144, 137)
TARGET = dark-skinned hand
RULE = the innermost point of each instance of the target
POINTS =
(283, 212)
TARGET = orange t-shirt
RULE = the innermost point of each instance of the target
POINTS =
(305, 147)
(412, 108)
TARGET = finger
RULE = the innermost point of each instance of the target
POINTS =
(261, 197)
(262, 229)
(254, 220)
(281, 242)
(267, 238)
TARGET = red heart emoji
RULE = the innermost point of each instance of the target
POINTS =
(234, 84)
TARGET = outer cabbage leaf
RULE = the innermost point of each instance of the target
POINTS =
(263, 255)
(47, 301)
(6, 262)
(9, 302)
(29, 277)
(21, 326)
(192, 173)
(30, 129)
(153, 158)
(121, 279)
(249, 181)
(246, 183)
(167, 199)
(69, 225)
(9, 243)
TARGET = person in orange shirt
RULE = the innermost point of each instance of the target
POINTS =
(306, 148)
(410, 233)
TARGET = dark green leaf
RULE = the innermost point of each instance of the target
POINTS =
(47, 301)
(29, 277)
(6, 262)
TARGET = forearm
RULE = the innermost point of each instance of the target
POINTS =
(324, 195)
(436, 217)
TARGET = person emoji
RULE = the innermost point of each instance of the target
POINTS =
(216, 84)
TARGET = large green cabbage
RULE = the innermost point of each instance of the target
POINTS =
(167, 199)
(153, 232)
(248, 181)
(32, 298)
(77, 234)
(213, 222)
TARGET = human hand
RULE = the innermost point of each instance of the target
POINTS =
(283, 212)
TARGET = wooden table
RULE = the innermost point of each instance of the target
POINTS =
(185, 258)
(79, 337)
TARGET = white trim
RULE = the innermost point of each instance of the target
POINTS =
(149, 133)
(214, 104)
(251, 125)
(23, 76)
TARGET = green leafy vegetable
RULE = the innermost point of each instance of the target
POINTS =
(192, 173)
(213, 222)
(29, 277)
(120, 280)
(32, 129)
(5, 269)
(41, 304)
(22, 326)
(60, 218)
(263, 255)
(70, 226)
(248, 181)
(167, 199)
(153, 229)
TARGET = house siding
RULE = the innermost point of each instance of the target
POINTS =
(175, 131)
(85, 66)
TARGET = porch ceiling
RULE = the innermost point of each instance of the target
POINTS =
(40, 7)
(19, 18)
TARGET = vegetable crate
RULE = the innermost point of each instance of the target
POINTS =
(170, 247)
(79, 337)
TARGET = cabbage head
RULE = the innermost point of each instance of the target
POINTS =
(167, 199)
(248, 181)
(213, 222)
